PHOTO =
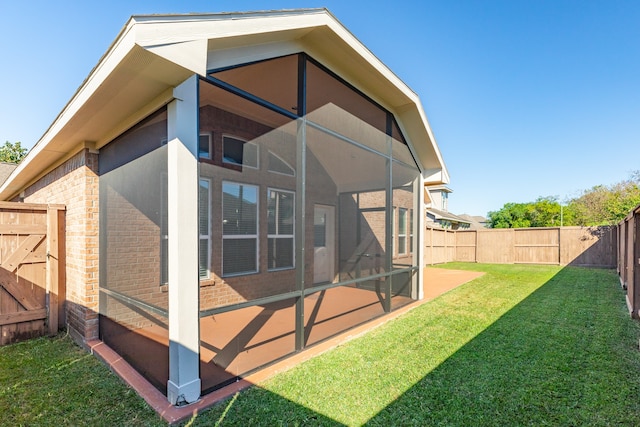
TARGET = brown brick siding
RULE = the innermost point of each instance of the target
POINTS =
(132, 259)
(75, 185)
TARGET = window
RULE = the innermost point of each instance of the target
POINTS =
(280, 224)
(402, 231)
(239, 229)
(164, 231)
(410, 230)
(393, 230)
(204, 146)
(445, 198)
(204, 225)
(235, 151)
(277, 165)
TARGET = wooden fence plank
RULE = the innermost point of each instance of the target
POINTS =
(52, 270)
(31, 270)
(14, 206)
(23, 251)
(33, 258)
(23, 228)
(9, 283)
(22, 316)
(581, 246)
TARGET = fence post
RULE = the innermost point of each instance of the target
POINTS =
(52, 283)
(475, 246)
(635, 263)
(431, 249)
(559, 245)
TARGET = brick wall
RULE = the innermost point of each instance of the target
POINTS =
(133, 188)
(220, 291)
(131, 259)
(75, 185)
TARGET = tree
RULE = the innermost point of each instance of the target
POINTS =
(600, 205)
(544, 212)
(606, 205)
(12, 152)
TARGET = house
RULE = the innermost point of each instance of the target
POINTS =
(238, 187)
(437, 209)
(5, 170)
(477, 222)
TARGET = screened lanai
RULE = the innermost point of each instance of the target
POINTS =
(268, 207)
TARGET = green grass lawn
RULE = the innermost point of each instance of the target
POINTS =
(521, 345)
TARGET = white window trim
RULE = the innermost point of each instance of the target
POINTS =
(208, 235)
(242, 236)
(284, 236)
(271, 153)
(394, 245)
(228, 135)
(411, 223)
(164, 226)
(208, 135)
(402, 249)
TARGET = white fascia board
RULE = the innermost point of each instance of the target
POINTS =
(373, 60)
(151, 30)
(415, 126)
(432, 139)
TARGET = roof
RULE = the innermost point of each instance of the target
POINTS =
(476, 218)
(476, 221)
(440, 214)
(154, 53)
(5, 170)
(439, 187)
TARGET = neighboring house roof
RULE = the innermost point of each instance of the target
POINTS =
(476, 221)
(154, 53)
(439, 187)
(444, 215)
(475, 218)
(5, 170)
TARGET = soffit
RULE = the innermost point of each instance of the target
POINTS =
(138, 79)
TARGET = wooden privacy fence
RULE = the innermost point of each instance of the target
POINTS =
(32, 286)
(628, 232)
(581, 246)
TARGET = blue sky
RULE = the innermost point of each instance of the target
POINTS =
(526, 98)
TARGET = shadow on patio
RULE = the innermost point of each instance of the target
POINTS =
(562, 353)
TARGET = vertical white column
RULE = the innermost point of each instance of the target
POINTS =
(419, 233)
(182, 169)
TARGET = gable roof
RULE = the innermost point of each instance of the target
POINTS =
(154, 53)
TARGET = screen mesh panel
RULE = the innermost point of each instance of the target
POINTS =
(133, 243)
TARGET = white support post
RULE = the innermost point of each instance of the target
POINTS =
(420, 249)
(183, 386)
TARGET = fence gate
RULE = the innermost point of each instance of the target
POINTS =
(31, 270)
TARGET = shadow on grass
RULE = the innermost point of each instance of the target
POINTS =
(561, 356)
(564, 355)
